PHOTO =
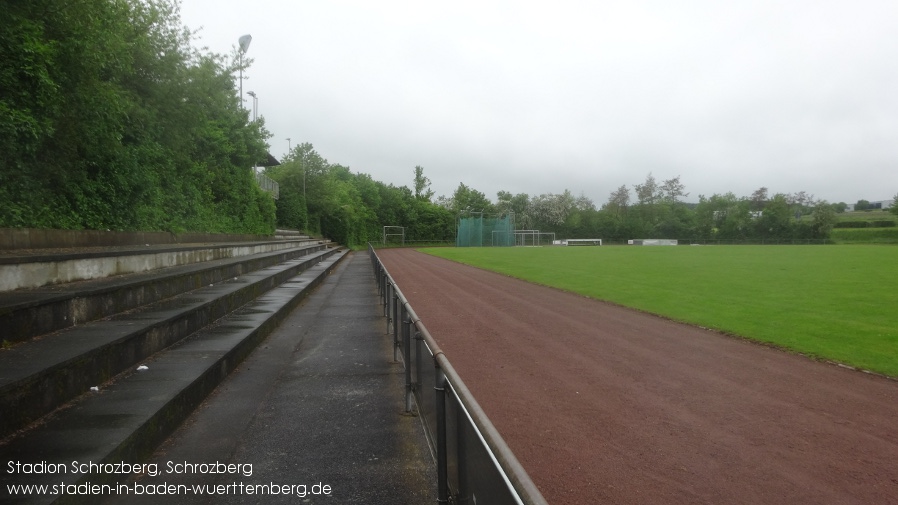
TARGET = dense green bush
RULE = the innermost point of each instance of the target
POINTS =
(109, 119)
(852, 224)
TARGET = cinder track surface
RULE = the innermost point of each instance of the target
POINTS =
(603, 404)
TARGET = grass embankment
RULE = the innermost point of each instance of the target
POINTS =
(833, 302)
(876, 233)
(866, 215)
(865, 235)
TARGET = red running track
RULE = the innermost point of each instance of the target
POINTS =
(603, 404)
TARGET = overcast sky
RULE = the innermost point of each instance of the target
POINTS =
(539, 97)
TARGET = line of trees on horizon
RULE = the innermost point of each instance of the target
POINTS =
(657, 209)
(353, 208)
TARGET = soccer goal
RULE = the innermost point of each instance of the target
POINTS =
(533, 238)
(394, 235)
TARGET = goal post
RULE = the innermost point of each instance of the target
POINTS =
(393, 235)
(533, 238)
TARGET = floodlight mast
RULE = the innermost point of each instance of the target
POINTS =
(255, 103)
(244, 45)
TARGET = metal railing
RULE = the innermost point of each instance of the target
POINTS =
(268, 184)
(474, 465)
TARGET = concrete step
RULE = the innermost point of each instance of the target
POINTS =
(27, 313)
(130, 415)
(22, 269)
(40, 375)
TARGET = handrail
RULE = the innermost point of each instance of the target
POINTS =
(512, 484)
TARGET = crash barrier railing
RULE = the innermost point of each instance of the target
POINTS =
(474, 465)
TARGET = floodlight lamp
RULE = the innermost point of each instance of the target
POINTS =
(244, 42)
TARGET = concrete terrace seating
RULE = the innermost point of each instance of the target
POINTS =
(69, 385)
(158, 273)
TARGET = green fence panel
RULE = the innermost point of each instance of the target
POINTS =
(482, 231)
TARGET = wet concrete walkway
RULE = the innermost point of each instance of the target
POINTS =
(314, 415)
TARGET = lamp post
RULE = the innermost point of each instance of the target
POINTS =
(244, 45)
(255, 103)
(304, 201)
(288, 146)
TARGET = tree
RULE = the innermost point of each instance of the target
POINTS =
(648, 192)
(775, 221)
(422, 185)
(618, 201)
(518, 204)
(431, 222)
(648, 195)
(723, 216)
(802, 198)
(467, 199)
(503, 202)
(446, 202)
(894, 208)
(823, 219)
(671, 190)
(801, 202)
(583, 203)
(549, 210)
(656, 204)
(758, 199)
(300, 175)
(351, 208)
(110, 119)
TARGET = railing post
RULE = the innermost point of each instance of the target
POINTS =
(403, 315)
(442, 457)
(387, 305)
(407, 356)
(380, 281)
(397, 315)
(419, 341)
(461, 495)
(386, 286)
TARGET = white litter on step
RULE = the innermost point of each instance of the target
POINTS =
(94, 388)
(143, 367)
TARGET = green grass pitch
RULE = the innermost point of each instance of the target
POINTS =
(831, 302)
